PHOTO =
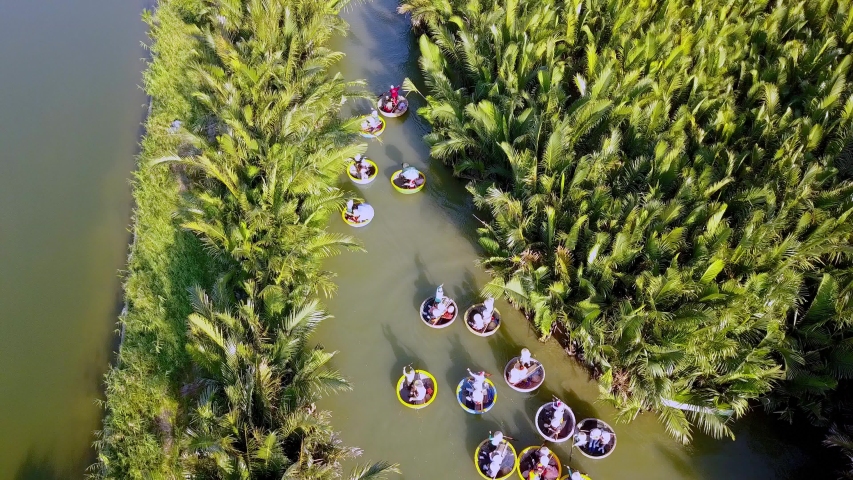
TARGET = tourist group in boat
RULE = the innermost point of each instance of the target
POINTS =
(495, 457)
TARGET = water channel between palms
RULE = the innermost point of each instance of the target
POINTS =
(416, 242)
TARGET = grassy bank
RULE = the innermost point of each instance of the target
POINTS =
(669, 185)
(216, 375)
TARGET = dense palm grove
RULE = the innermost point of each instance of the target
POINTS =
(669, 189)
(217, 378)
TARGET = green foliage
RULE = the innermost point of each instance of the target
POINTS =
(217, 377)
(662, 186)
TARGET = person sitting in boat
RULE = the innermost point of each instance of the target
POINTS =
(496, 438)
(526, 359)
(409, 373)
(478, 395)
(387, 104)
(350, 213)
(439, 310)
(479, 323)
(411, 176)
(418, 393)
(557, 422)
(518, 374)
(497, 460)
(361, 167)
(372, 123)
(489, 309)
(597, 442)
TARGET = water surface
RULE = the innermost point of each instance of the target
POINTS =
(70, 110)
(418, 241)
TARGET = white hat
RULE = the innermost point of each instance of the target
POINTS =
(576, 476)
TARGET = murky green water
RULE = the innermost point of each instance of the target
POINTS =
(418, 241)
(70, 110)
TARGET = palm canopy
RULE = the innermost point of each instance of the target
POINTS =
(661, 184)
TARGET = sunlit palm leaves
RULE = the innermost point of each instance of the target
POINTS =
(660, 183)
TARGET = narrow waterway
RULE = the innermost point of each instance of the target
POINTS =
(70, 110)
(418, 241)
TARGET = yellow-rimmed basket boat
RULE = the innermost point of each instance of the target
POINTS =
(398, 182)
(604, 436)
(489, 401)
(376, 133)
(442, 322)
(402, 107)
(368, 214)
(491, 327)
(583, 476)
(482, 459)
(372, 172)
(429, 383)
(543, 424)
(527, 461)
(534, 379)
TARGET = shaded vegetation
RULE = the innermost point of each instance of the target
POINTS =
(217, 377)
(668, 186)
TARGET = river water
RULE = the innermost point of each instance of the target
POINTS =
(418, 241)
(70, 110)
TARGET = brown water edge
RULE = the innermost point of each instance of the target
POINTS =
(418, 241)
(70, 114)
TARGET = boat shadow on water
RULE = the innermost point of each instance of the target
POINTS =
(403, 355)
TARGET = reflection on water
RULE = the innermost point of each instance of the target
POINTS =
(70, 111)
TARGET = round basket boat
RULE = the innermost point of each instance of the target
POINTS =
(535, 377)
(543, 420)
(489, 401)
(445, 320)
(527, 460)
(569, 476)
(372, 171)
(398, 182)
(594, 430)
(402, 107)
(374, 134)
(491, 327)
(367, 215)
(482, 459)
(429, 384)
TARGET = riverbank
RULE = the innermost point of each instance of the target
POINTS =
(227, 250)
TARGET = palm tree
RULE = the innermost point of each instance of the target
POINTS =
(667, 211)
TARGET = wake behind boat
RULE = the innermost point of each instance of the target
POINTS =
(416, 388)
(555, 421)
(495, 458)
(540, 462)
(595, 438)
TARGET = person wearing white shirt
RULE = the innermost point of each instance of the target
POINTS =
(439, 294)
(518, 374)
(496, 438)
(478, 397)
(418, 393)
(409, 373)
(526, 359)
(489, 309)
(479, 322)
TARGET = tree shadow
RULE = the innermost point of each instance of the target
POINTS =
(40, 467)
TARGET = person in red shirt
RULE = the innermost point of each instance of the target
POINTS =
(395, 95)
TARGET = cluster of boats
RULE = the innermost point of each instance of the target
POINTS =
(362, 170)
(495, 457)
